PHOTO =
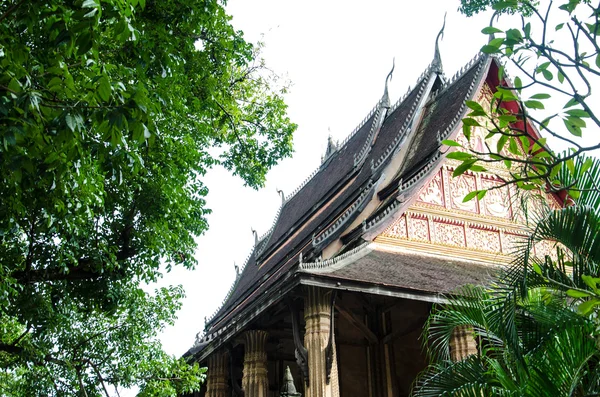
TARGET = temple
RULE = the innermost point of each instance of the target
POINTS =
(340, 287)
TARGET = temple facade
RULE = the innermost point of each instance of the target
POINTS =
(333, 299)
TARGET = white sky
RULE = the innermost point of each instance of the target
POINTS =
(337, 54)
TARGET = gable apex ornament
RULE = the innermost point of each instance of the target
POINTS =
(255, 237)
(282, 196)
(385, 100)
(437, 58)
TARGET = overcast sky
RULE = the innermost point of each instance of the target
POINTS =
(337, 55)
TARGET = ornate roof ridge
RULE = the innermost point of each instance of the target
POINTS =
(380, 217)
(266, 237)
(210, 318)
(403, 130)
(461, 112)
(364, 151)
(460, 73)
(424, 75)
(382, 107)
(342, 219)
(340, 146)
(320, 265)
(403, 186)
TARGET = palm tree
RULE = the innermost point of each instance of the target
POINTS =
(537, 327)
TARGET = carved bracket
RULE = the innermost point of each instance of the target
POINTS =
(329, 348)
(301, 353)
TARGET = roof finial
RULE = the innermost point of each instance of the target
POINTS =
(282, 196)
(331, 147)
(255, 237)
(385, 101)
(237, 270)
(437, 59)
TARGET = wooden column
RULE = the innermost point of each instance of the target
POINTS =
(216, 379)
(317, 315)
(462, 343)
(254, 381)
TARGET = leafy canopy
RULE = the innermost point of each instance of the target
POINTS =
(557, 58)
(111, 113)
(537, 327)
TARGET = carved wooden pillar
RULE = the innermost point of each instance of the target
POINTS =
(462, 343)
(216, 379)
(320, 343)
(254, 381)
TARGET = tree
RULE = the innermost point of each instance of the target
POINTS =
(557, 57)
(537, 326)
(111, 113)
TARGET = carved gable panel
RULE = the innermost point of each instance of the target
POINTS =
(459, 188)
(433, 192)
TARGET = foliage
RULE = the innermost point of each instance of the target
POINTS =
(537, 327)
(472, 7)
(111, 113)
(557, 56)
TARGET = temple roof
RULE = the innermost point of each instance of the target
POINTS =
(324, 207)
(375, 264)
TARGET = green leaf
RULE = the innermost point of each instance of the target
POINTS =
(449, 142)
(571, 102)
(572, 128)
(586, 307)
(534, 104)
(577, 113)
(70, 122)
(459, 156)
(491, 30)
(474, 105)
(591, 282)
(547, 75)
(518, 83)
(471, 122)
(89, 4)
(470, 196)
(465, 166)
(577, 294)
(540, 96)
(104, 88)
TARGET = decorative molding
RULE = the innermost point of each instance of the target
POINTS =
(404, 130)
(357, 205)
(329, 349)
(338, 262)
(300, 351)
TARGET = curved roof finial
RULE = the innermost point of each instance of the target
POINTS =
(385, 101)
(282, 196)
(437, 59)
(255, 237)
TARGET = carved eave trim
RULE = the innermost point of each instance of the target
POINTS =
(238, 322)
(403, 186)
(338, 262)
(361, 156)
(213, 316)
(357, 206)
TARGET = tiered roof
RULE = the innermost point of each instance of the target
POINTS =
(327, 205)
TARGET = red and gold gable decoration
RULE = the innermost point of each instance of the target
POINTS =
(440, 223)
